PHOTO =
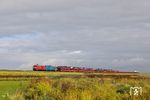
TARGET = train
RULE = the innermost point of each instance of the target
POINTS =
(73, 69)
(61, 68)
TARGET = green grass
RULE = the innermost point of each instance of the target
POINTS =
(36, 73)
(7, 88)
(41, 85)
(4, 75)
(28, 75)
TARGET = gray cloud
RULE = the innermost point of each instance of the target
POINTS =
(108, 34)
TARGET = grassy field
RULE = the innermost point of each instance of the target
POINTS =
(9, 87)
(30, 85)
(26, 75)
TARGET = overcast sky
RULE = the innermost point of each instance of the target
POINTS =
(94, 33)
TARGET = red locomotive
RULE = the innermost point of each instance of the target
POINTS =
(39, 67)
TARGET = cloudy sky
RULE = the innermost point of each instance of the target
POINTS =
(94, 33)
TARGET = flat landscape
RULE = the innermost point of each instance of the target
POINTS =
(44, 85)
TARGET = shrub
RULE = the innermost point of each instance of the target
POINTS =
(79, 89)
